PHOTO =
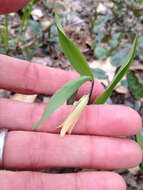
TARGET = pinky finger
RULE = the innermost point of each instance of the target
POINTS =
(75, 181)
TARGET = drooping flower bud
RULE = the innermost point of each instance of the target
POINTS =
(74, 116)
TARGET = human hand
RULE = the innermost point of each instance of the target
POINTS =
(7, 6)
(28, 150)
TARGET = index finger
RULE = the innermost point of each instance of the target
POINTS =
(29, 78)
(8, 6)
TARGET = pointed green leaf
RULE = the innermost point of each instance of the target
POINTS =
(122, 71)
(61, 96)
(72, 52)
(59, 25)
(135, 87)
(141, 167)
(139, 139)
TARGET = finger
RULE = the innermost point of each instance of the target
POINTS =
(29, 150)
(29, 78)
(109, 120)
(8, 6)
(76, 181)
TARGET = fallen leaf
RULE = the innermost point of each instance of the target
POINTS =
(110, 72)
(134, 171)
(24, 98)
(101, 8)
(37, 14)
(42, 61)
(136, 66)
(105, 66)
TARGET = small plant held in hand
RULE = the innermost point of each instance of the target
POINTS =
(79, 63)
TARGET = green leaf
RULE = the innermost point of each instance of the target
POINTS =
(140, 1)
(135, 87)
(140, 43)
(60, 6)
(48, 5)
(72, 52)
(113, 43)
(141, 167)
(99, 73)
(72, 99)
(61, 96)
(35, 26)
(106, 38)
(99, 37)
(118, 4)
(122, 71)
(124, 83)
(102, 20)
(93, 46)
(139, 139)
(100, 52)
(118, 59)
(116, 36)
(96, 29)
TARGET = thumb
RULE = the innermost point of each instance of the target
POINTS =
(8, 6)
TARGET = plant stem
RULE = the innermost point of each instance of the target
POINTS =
(90, 93)
(6, 34)
(25, 18)
(2, 36)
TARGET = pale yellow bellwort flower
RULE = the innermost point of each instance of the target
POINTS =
(74, 116)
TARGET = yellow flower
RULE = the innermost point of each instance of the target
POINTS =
(74, 116)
